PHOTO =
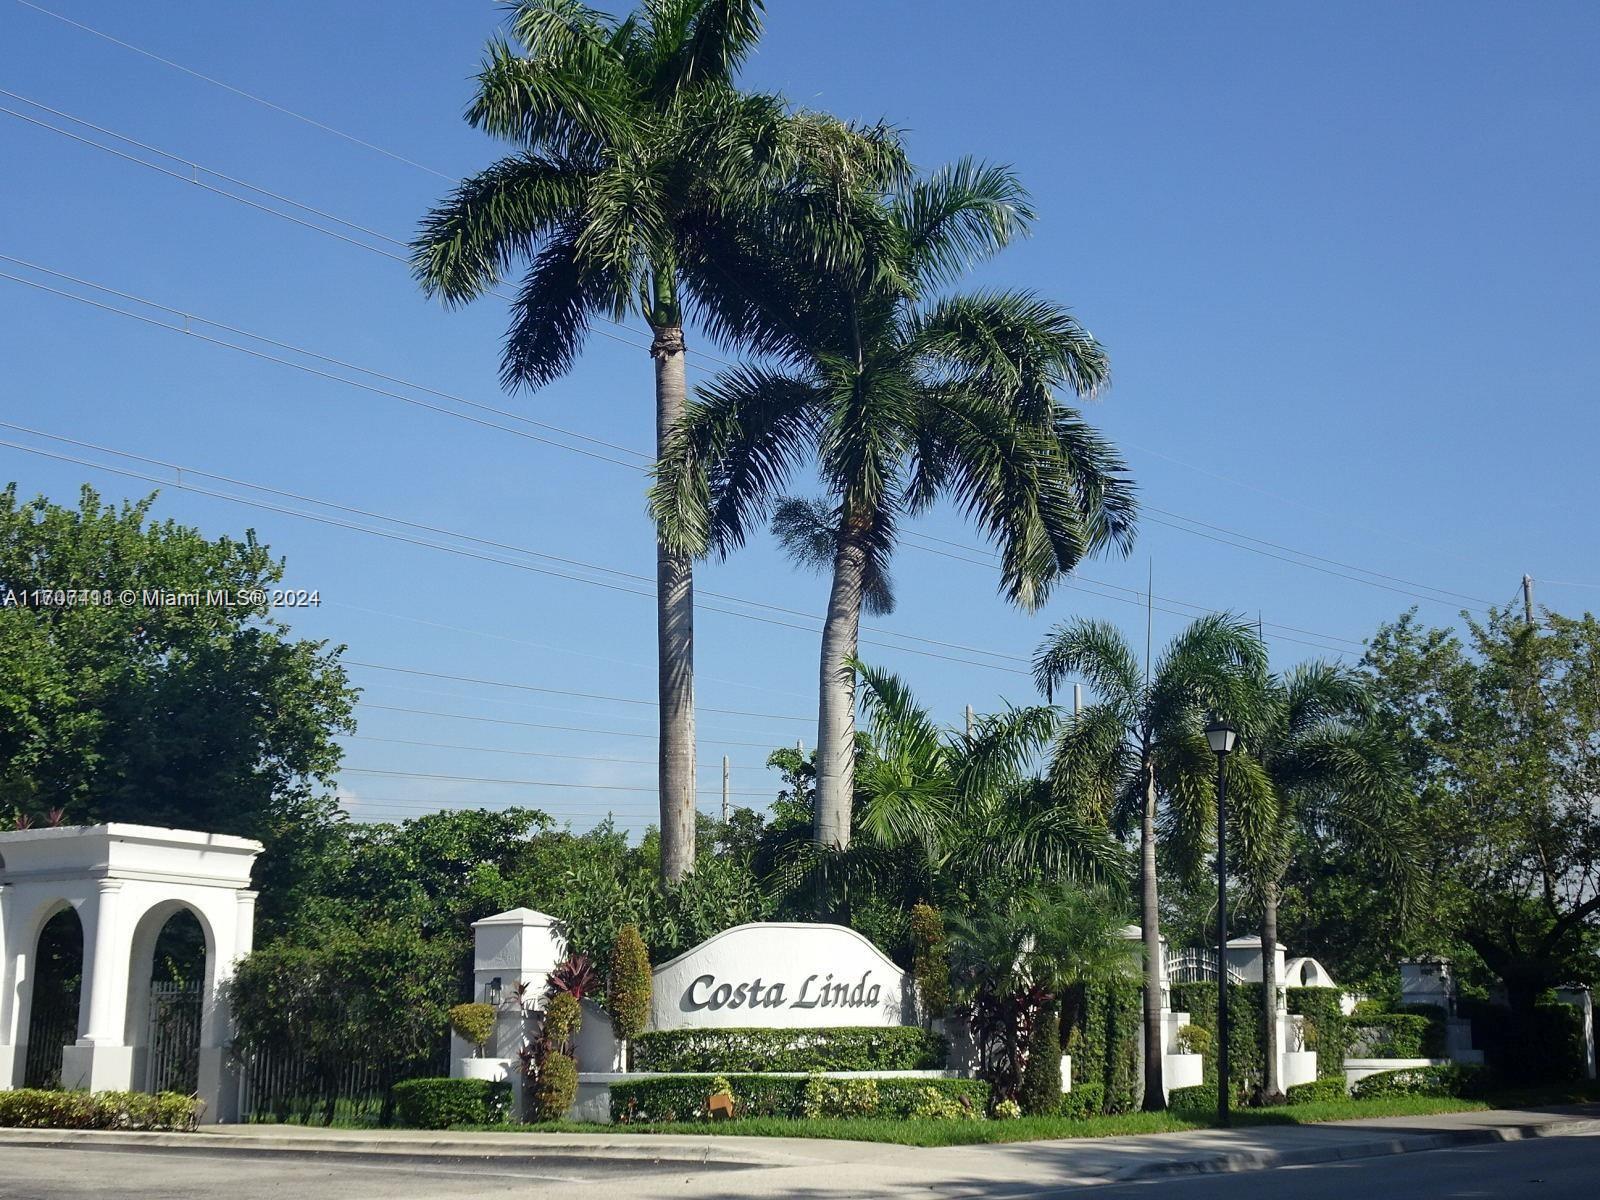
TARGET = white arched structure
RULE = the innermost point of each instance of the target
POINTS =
(125, 882)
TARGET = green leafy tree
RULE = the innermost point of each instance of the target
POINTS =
(197, 715)
(632, 145)
(379, 995)
(1141, 740)
(902, 400)
(1501, 732)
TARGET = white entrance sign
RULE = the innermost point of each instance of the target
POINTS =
(780, 975)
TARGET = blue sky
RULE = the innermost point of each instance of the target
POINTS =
(1344, 258)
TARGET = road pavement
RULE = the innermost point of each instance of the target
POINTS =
(1549, 1154)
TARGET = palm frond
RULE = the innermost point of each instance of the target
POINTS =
(1096, 650)
(808, 532)
(730, 456)
(569, 109)
(960, 215)
(551, 313)
(467, 243)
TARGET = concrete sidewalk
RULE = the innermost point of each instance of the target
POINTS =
(815, 1168)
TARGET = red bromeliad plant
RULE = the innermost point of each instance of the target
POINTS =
(575, 977)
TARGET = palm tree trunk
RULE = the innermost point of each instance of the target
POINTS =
(674, 639)
(1155, 1095)
(1272, 1089)
(836, 709)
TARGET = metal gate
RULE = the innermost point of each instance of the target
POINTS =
(174, 1038)
(52, 1026)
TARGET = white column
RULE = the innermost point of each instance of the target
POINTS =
(101, 1060)
(104, 1011)
(244, 937)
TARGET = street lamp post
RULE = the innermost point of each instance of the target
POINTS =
(1223, 737)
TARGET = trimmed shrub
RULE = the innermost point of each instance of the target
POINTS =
(473, 1023)
(930, 960)
(824, 1097)
(563, 1016)
(1007, 1110)
(1246, 1055)
(1444, 1079)
(557, 1087)
(40, 1108)
(1193, 1039)
(1083, 1101)
(628, 989)
(1191, 1099)
(1040, 1092)
(441, 1103)
(847, 1048)
(1329, 1088)
(683, 1097)
(932, 1104)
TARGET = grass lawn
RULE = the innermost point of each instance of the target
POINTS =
(1027, 1129)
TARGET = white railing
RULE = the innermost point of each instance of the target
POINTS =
(1193, 964)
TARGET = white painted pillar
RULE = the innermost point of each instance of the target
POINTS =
(102, 1060)
(104, 1007)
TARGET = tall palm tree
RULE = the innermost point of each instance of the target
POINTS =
(1314, 761)
(1141, 740)
(632, 144)
(902, 400)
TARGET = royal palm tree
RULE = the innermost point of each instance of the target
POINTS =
(902, 400)
(1313, 761)
(632, 145)
(1142, 740)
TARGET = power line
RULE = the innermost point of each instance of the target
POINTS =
(429, 712)
(1138, 599)
(1077, 579)
(645, 590)
(546, 783)
(197, 169)
(190, 319)
(237, 91)
(589, 758)
(528, 687)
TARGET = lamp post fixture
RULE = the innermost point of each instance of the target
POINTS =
(1223, 737)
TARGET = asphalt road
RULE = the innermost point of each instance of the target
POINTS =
(1557, 1168)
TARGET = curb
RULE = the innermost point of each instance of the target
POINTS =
(1256, 1160)
(718, 1153)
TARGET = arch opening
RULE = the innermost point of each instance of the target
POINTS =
(168, 980)
(56, 997)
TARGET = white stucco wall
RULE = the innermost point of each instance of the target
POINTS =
(780, 975)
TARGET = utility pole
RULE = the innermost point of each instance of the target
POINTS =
(1527, 599)
(1077, 698)
(724, 790)
(969, 722)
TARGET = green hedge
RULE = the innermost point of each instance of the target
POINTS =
(1191, 1099)
(1542, 1045)
(1395, 1035)
(39, 1108)
(1324, 1024)
(1085, 1100)
(1444, 1079)
(1246, 1054)
(441, 1103)
(1329, 1088)
(683, 1097)
(846, 1048)
(1103, 1039)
